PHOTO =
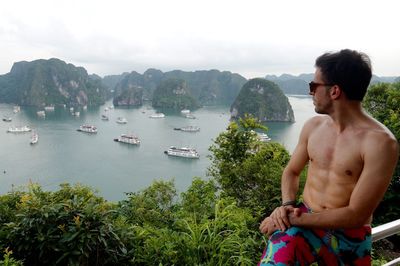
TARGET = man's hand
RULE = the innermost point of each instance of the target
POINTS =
(280, 217)
(267, 226)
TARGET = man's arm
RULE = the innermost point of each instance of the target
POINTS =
(380, 158)
(291, 175)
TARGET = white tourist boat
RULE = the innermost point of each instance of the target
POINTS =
(263, 137)
(122, 120)
(34, 138)
(190, 116)
(19, 129)
(87, 129)
(185, 111)
(157, 115)
(49, 108)
(16, 109)
(188, 128)
(41, 113)
(128, 138)
(77, 114)
(185, 152)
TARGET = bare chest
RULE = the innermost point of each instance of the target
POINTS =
(339, 157)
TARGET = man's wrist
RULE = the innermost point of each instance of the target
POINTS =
(289, 203)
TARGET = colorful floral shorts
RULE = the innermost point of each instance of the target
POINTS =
(301, 246)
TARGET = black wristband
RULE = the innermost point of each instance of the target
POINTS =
(290, 202)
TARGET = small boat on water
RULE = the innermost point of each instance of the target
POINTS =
(34, 138)
(188, 129)
(184, 152)
(128, 138)
(19, 129)
(76, 114)
(16, 109)
(49, 108)
(87, 129)
(7, 119)
(157, 115)
(190, 116)
(185, 111)
(104, 118)
(263, 137)
(122, 120)
(41, 113)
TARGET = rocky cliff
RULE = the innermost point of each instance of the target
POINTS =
(174, 93)
(50, 82)
(263, 99)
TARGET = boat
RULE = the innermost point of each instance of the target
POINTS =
(185, 152)
(41, 113)
(104, 117)
(16, 109)
(188, 128)
(71, 109)
(49, 108)
(18, 129)
(190, 116)
(157, 115)
(87, 129)
(7, 119)
(34, 138)
(185, 111)
(122, 120)
(77, 114)
(263, 137)
(128, 138)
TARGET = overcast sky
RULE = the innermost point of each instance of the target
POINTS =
(251, 37)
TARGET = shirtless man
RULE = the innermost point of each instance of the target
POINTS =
(351, 158)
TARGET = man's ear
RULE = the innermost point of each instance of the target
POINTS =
(335, 92)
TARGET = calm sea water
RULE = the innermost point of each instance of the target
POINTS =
(66, 155)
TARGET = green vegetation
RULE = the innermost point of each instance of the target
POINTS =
(264, 100)
(383, 102)
(214, 222)
(50, 82)
(173, 93)
(206, 87)
(129, 97)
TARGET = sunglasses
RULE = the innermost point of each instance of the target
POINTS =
(314, 85)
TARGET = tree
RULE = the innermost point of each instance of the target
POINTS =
(383, 103)
(247, 169)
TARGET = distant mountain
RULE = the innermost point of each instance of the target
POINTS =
(375, 79)
(263, 99)
(291, 84)
(174, 93)
(50, 82)
(207, 87)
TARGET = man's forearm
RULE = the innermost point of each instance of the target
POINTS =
(289, 186)
(330, 219)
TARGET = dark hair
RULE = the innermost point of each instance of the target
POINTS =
(350, 70)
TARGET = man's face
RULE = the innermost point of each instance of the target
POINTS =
(319, 89)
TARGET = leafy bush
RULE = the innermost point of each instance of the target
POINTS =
(382, 101)
(70, 226)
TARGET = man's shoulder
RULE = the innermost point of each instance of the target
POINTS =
(378, 135)
(316, 121)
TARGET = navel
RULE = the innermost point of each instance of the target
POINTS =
(348, 172)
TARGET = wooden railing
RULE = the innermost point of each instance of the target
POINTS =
(386, 230)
